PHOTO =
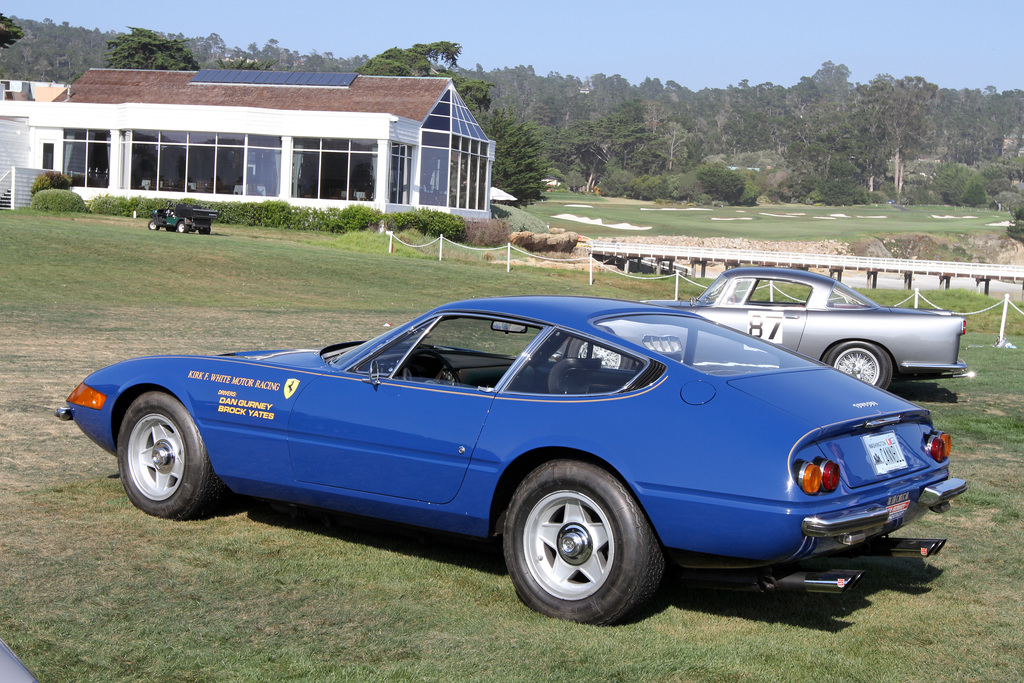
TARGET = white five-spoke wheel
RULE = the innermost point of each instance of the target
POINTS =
(567, 545)
(578, 546)
(156, 457)
(164, 467)
(862, 360)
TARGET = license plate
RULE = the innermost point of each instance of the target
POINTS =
(884, 452)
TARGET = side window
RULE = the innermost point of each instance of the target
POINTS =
(780, 292)
(739, 292)
(456, 351)
(566, 364)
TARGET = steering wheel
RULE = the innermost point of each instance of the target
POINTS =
(431, 365)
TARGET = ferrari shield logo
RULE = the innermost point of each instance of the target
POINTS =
(290, 386)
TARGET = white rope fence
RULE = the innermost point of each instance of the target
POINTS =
(917, 297)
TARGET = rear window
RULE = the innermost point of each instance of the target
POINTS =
(702, 345)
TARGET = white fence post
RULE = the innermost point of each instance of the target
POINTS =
(391, 242)
(917, 294)
(677, 286)
(440, 247)
(591, 263)
(508, 258)
(1002, 325)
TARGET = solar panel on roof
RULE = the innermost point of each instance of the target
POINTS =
(321, 79)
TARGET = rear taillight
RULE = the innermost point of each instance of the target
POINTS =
(939, 445)
(816, 477)
(829, 475)
(963, 326)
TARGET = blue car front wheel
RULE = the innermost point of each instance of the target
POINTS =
(162, 460)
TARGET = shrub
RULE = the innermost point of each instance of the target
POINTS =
(437, 223)
(487, 233)
(517, 219)
(358, 217)
(109, 205)
(51, 180)
(429, 222)
(64, 201)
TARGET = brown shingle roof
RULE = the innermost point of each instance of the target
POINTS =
(411, 98)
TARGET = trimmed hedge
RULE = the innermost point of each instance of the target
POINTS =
(63, 201)
(51, 180)
(279, 214)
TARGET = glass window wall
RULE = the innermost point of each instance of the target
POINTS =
(331, 168)
(87, 157)
(206, 163)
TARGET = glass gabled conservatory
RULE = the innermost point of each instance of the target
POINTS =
(453, 161)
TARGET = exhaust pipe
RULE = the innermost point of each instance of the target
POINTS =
(829, 581)
(898, 547)
(764, 581)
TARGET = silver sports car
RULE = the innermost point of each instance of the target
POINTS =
(826, 320)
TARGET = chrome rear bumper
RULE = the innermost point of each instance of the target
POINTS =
(936, 497)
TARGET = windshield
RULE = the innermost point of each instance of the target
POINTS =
(702, 345)
(711, 294)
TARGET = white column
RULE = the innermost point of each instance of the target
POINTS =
(114, 156)
(381, 191)
(285, 185)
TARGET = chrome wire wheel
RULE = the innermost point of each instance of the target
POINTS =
(156, 457)
(860, 363)
(568, 545)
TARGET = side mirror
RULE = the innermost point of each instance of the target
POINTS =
(374, 377)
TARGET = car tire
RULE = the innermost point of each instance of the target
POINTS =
(578, 546)
(863, 360)
(182, 226)
(162, 459)
(153, 225)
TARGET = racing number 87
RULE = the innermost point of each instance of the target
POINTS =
(767, 326)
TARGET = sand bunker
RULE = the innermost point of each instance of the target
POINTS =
(598, 221)
(934, 216)
(578, 206)
(673, 208)
(740, 218)
(1000, 224)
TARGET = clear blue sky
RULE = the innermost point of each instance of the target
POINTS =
(697, 44)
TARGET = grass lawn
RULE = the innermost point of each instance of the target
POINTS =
(94, 590)
(791, 222)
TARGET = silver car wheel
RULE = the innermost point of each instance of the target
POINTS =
(859, 363)
(155, 457)
(568, 545)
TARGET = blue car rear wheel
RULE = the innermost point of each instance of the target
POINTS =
(578, 546)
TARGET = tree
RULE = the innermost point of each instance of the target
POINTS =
(243, 64)
(145, 49)
(721, 184)
(430, 59)
(519, 164)
(974, 193)
(1016, 228)
(901, 106)
(9, 32)
(951, 181)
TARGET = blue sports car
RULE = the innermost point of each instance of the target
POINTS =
(597, 438)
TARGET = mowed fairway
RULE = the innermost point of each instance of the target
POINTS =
(92, 589)
(624, 219)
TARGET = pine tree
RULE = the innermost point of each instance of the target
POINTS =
(519, 163)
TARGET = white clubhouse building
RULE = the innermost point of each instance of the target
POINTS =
(310, 139)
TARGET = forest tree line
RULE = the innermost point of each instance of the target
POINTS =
(823, 140)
